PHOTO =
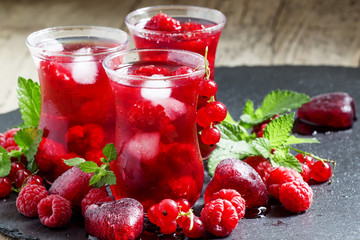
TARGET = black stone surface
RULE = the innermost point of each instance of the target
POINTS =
(335, 211)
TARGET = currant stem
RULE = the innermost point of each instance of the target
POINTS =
(207, 69)
(317, 158)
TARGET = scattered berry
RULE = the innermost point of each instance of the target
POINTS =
(21, 176)
(163, 22)
(219, 217)
(306, 172)
(308, 160)
(5, 187)
(216, 111)
(54, 211)
(296, 196)
(183, 205)
(321, 171)
(210, 135)
(28, 199)
(207, 88)
(261, 165)
(234, 197)
(95, 195)
(15, 166)
(196, 230)
(279, 176)
(164, 215)
(35, 179)
(121, 219)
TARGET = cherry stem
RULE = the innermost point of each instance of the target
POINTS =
(318, 158)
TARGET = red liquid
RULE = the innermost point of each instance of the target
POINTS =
(156, 140)
(77, 111)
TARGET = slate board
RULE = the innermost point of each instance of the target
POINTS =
(335, 211)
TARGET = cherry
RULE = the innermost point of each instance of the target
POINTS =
(207, 88)
(21, 176)
(210, 135)
(5, 187)
(321, 171)
(15, 166)
(216, 111)
(35, 179)
(202, 118)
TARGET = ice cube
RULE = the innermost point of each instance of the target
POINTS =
(156, 88)
(53, 45)
(144, 146)
(85, 70)
(173, 107)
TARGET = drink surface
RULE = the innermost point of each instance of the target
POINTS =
(156, 135)
(77, 111)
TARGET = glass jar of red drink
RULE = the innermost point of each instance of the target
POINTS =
(77, 104)
(184, 27)
(155, 95)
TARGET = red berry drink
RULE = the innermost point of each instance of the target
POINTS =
(77, 104)
(155, 95)
(179, 27)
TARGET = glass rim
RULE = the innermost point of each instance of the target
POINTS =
(215, 27)
(31, 41)
(200, 70)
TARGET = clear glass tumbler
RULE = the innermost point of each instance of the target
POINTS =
(77, 104)
(155, 93)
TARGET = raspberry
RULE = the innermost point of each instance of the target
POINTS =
(82, 138)
(5, 187)
(2, 139)
(234, 197)
(163, 22)
(321, 171)
(182, 70)
(296, 196)
(150, 70)
(122, 219)
(95, 195)
(8, 141)
(261, 165)
(54, 211)
(191, 26)
(28, 199)
(72, 185)
(279, 176)
(219, 217)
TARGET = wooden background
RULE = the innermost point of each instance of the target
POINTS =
(257, 32)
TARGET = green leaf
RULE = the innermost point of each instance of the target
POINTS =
(5, 163)
(229, 119)
(249, 109)
(28, 139)
(109, 152)
(233, 132)
(279, 129)
(74, 161)
(29, 101)
(109, 178)
(88, 166)
(282, 157)
(262, 146)
(95, 178)
(295, 140)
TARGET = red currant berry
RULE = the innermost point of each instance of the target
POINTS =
(207, 88)
(35, 179)
(305, 159)
(210, 135)
(321, 171)
(216, 111)
(5, 187)
(21, 176)
(168, 209)
(183, 205)
(15, 166)
(196, 231)
(202, 118)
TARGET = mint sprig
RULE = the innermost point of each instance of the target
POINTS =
(29, 97)
(5, 163)
(102, 175)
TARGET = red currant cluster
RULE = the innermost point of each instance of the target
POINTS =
(319, 171)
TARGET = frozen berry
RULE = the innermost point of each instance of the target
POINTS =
(207, 88)
(163, 22)
(219, 217)
(121, 219)
(28, 199)
(21, 176)
(331, 110)
(5, 187)
(35, 179)
(261, 165)
(95, 195)
(210, 135)
(321, 171)
(72, 185)
(240, 176)
(296, 196)
(54, 211)
(279, 176)
(216, 111)
(234, 197)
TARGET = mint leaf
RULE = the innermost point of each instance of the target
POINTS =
(262, 146)
(279, 129)
(233, 132)
(229, 119)
(29, 101)
(88, 166)
(282, 157)
(5, 163)
(74, 161)
(109, 152)
(109, 178)
(295, 140)
(96, 178)
(28, 139)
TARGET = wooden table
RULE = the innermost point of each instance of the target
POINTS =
(257, 32)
